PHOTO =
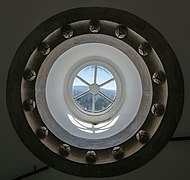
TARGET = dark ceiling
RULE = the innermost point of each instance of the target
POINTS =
(19, 18)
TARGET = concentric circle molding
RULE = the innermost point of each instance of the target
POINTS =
(97, 89)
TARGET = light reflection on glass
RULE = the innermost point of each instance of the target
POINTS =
(86, 130)
(100, 131)
(91, 128)
(110, 124)
(73, 120)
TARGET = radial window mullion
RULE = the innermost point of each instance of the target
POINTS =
(81, 95)
(106, 97)
(83, 80)
(110, 80)
(93, 103)
(95, 74)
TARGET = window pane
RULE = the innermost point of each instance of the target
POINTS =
(101, 103)
(109, 90)
(87, 74)
(79, 87)
(103, 75)
(85, 102)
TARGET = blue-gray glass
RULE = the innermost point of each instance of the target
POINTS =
(109, 90)
(85, 102)
(103, 75)
(87, 74)
(101, 103)
(79, 87)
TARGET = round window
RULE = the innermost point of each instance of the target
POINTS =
(94, 89)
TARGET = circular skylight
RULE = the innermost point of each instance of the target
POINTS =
(94, 89)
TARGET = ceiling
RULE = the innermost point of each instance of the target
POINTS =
(19, 18)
